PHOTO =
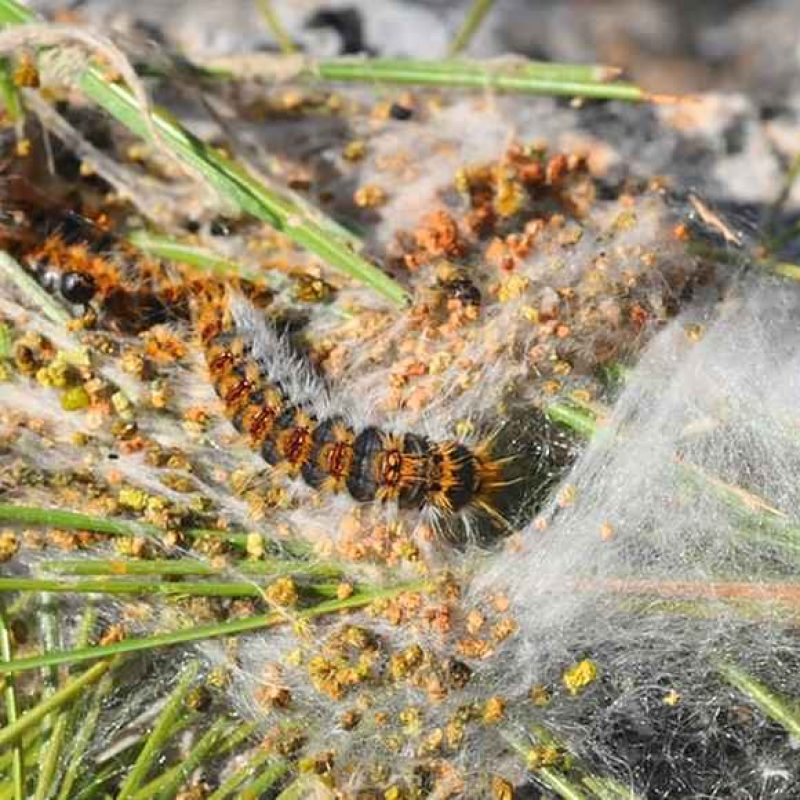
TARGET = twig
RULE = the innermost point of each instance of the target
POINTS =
(786, 593)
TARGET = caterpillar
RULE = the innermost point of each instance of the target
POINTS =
(277, 413)
(285, 411)
(270, 395)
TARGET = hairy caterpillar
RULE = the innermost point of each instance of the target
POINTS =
(285, 411)
(272, 397)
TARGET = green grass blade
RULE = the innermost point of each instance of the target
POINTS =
(166, 786)
(188, 589)
(68, 693)
(172, 249)
(31, 747)
(83, 737)
(162, 731)
(71, 520)
(52, 757)
(475, 16)
(267, 567)
(266, 780)
(577, 420)
(599, 786)
(509, 75)
(154, 588)
(14, 13)
(237, 185)
(75, 521)
(786, 269)
(12, 711)
(779, 239)
(247, 772)
(113, 772)
(93, 790)
(502, 75)
(275, 26)
(551, 778)
(512, 74)
(759, 522)
(771, 704)
(608, 789)
(49, 637)
(560, 784)
(230, 628)
(53, 725)
(241, 733)
(9, 92)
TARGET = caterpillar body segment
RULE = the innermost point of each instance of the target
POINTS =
(331, 459)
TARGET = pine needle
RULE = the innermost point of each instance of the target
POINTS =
(83, 737)
(153, 588)
(246, 773)
(472, 22)
(10, 698)
(162, 731)
(75, 521)
(771, 704)
(199, 633)
(188, 566)
(275, 26)
(67, 694)
(167, 785)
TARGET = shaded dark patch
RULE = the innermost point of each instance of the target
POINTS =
(347, 23)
